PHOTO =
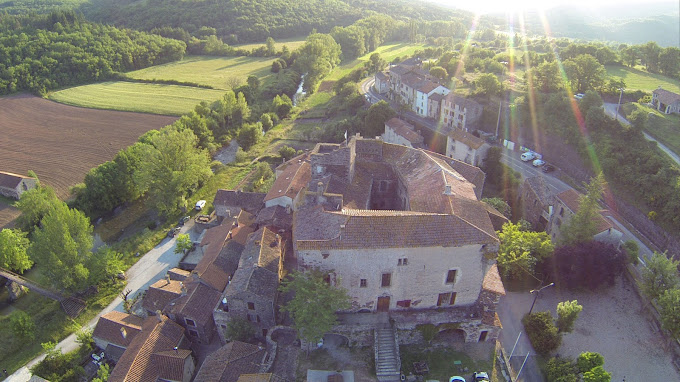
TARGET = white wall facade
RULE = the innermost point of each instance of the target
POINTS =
(390, 136)
(421, 280)
(464, 153)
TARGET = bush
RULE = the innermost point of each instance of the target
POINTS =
(597, 374)
(588, 361)
(287, 152)
(240, 330)
(542, 332)
(567, 313)
(428, 332)
(561, 370)
(22, 325)
(632, 251)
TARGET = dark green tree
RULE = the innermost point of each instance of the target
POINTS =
(249, 135)
(22, 325)
(660, 275)
(669, 303)
(587, 361)
(374, 123)
(240, 330)
(582, 226)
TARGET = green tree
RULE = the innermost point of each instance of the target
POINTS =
(34, 204)
(660, 275)
(266, 121)
(375, 63)
(103, 373)
(174, 167)
(22, 325)
(585, 72)
(632, 250)
(270, 45)
(650, 55)
(520, 250)
(669, 303)
(377, 115)
(253, 82)
(439, 73)
(638, 119)
(567, 313)
(314, 305)
(317, 57)
(240, 330)
(105, 264)
(262, 179)
(597, 374)
(63, 247)
(183, 243)
(582, 226)
(669, 61)
(287, 152)
(249, 135)
(561, 370)
(542, 332)
(590, 100)
(546, 77)
(13, 246)
(282, 105)
(488, 84)
(587, 361)
(500, 205)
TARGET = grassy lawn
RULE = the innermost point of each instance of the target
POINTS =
(663, 127)
(441, 362)
(292, 44)
(209, 70)
(637, 79)
(137, 97)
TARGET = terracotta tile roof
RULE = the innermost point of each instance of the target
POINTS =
(466, 138)
(11, 180)
(258, 270)
(160, 294)
(291, 181)
(427, 86)
(249, 201)
(405, 130)
(231, 361)
(382, 76)
(264, 377)
(464, 103)
(109, 328)
(136, 364)
(471, 173)
(572, 199)
(245, 218)
(274, 216)
(197, 304)
(540, 188)
(492, 281)
(178, 274)
(497, 218)
(399, 70)
(354, 229)
(666, 97)
(220, 259)
(436, 97)
(170, 363)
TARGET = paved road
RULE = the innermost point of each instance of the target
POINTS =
(150, 268)
(610, 109)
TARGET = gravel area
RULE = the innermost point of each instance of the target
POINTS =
(613, 323)
(228, 153)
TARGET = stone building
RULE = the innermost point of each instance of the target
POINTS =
(466, 147)
(537, 202)
(666, 101)
(566, 205)
(401, 132)
(459, 112)
(230, 203)
(115, 331)
(13, 185)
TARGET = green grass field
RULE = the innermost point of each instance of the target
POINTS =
(387, 52)
(291, 43)
(207, 70)
(137, 97)
(663, 127)
(640, 80)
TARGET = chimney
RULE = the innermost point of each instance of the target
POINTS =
(447, 190)
(123, 332)
(167, 279)
(319, 193)
(183, 289)
(342, 228)
(159, 315)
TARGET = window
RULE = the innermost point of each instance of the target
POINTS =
(249, 317)
(403, 261)
(363, 283)
(443, 298)
(453, 298)
(193, 333)
(404, 304)
(190, 322)
(386, 280)
(451, 276)
(251, 306)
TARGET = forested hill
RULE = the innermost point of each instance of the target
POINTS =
(43, 52)
(238, 21)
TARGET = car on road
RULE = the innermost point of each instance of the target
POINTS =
(530, 155)
(479, 376)
(538, 162)
(173, 232)
(183, 220)
(548, 168)
(578, 96)
(200, 204)
(457, 379)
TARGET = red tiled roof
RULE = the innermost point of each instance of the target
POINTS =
(293, 179)
(249, 201)
(467, 138)
(492, 281)
(11, 180)
(160, 294)
(666, 97)
(170, 363)
(198, 303)
(405, 130)
(136, 364)
(109, 328)
(231, 361)
(572, 199)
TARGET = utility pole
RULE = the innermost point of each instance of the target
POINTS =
(616, 118)
(498, 123)
(537, 291)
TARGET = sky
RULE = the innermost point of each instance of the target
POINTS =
(508, 6)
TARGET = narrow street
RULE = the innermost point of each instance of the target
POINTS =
(149, 269)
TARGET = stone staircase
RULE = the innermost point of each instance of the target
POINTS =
(387, 361)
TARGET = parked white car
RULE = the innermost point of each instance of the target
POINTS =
(200, 204)
(578, 96)
(527, 156)
(538, 162)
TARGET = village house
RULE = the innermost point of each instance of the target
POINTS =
(115, 331)
(13, 185)
(466, 147)
(382, 82)
(566, 205)
(159, 352)
(291, 177)
(412, 86)
(401, 132)
(252, 292)
(231, 361)
(459, 112)
(666, 101)
(537, 202)
(230, 203)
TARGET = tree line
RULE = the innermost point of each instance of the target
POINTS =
(43, 52)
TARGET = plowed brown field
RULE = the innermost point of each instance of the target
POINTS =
(62, 143)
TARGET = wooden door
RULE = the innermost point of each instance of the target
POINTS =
(383, 304)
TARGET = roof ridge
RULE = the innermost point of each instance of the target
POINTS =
(472, 224)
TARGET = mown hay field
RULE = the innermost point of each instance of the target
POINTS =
(292, 44)
(217, 72)
(136, 97)
(62, 143)
(637, 79)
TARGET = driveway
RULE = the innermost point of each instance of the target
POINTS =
(149, 269)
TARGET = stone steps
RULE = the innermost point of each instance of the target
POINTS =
(387, 363)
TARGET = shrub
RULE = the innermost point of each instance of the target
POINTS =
(597, 374)
(287, 152)
(561, 370)
(567, 313)
(240, 330)
(588, 361)
(22, 325)
(428, 332)
(542, 332)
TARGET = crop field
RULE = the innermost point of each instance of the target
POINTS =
(640, 80)
(291, 43)
(207, 70)
(387, 52)
(62, 143)
(137, 97)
